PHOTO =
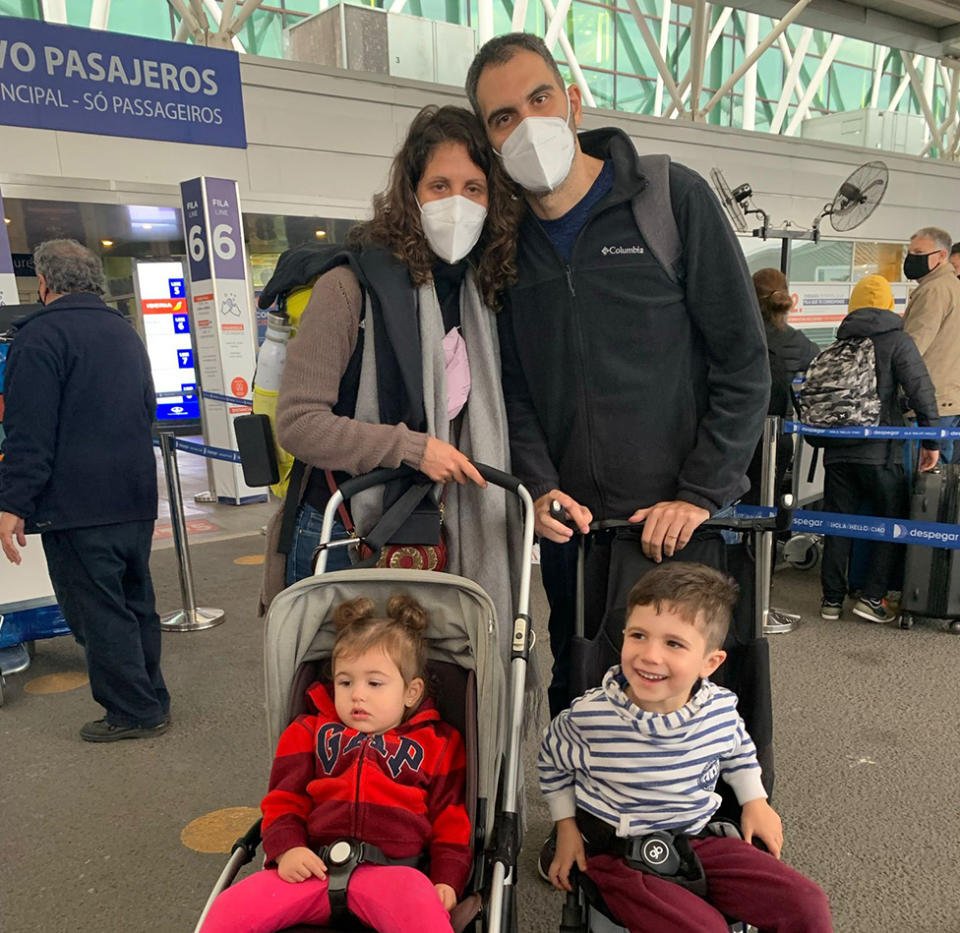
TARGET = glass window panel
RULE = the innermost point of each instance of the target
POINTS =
(633, 56)
(140, 19)
(856, 52)
(28, 9)
(826, 261)
(849, 87)
(591, 33)
(635, 95)
(262, 34)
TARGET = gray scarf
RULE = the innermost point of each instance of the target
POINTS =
(481, 526)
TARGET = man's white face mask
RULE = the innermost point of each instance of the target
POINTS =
(452, 226)
(538, 154)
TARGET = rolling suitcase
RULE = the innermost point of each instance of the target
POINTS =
(931, 584)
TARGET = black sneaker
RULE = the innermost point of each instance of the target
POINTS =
(102, 731)
(547, 852)
(874, 610)
(830, 609)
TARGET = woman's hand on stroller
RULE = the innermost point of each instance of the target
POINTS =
(759, 820)
(443, 463)
(448, 897)
(556, 515)
(569, 851)
(300, 863)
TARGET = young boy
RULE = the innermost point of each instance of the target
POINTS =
(642, 754)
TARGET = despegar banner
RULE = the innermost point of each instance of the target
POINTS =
(88, 81)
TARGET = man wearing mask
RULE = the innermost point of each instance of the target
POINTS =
(932, 318)
(631, 392)
(79, 469)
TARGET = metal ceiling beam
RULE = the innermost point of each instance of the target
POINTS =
(569, 55)
(668, 80)
(859, 21)
(920, 92)
(556, 24)
(754, 56)
(698, 54)
(715, 33)
(751, 36)
(803, 108)
(665, 11)
(790, 82)
(99, 14)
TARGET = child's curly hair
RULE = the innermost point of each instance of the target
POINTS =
(400, 634)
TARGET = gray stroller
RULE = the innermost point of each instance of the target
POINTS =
(467, 679)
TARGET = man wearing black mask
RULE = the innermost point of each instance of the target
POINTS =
(932, 318)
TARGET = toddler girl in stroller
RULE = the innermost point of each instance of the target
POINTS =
(373, 775)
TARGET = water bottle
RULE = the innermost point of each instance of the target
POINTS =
(273, 355)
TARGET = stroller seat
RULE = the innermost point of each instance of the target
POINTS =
(454, 690)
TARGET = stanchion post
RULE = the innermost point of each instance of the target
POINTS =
(191, 618)
(775, 621)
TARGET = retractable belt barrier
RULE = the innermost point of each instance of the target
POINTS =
(899, 531)
(880, 432)
(203, 450)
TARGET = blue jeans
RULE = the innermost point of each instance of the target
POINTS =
(947, 448)
(306, 540)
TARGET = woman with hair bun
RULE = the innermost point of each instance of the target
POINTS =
(373, 762)
(790, 351)
(792, 346)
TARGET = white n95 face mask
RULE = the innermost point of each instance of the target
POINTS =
(452, 226)
(538, 154)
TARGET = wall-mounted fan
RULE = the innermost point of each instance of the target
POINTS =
(854, 202)
(857, 198)
(730, 201)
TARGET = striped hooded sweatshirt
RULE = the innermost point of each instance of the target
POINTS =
(640, 772)
(402, 791)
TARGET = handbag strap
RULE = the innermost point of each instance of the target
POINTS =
(392, 520)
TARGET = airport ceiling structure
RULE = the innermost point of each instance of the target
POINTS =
(767, 65)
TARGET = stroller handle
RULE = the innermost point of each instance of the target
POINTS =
(730, 522)
(378, 477)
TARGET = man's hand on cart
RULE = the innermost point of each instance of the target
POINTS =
(11, 529)
(553, 509)
(668, 526)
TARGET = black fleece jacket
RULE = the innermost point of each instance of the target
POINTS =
(79, 410)
(899, 366)
(624, 389)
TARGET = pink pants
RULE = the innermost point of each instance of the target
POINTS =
(744, 883)
(388, 898)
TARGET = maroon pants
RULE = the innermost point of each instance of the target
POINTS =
(744, 883)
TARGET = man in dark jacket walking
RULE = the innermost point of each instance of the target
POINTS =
(79, 469)
(631, 392)
(867, 477)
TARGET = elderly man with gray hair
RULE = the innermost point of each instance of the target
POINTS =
(79, 469)
(932, 318)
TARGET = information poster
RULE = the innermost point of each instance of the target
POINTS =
(164, 306)
(223, 322)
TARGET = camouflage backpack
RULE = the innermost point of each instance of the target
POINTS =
(840, 388)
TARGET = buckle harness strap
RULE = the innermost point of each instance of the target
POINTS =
(342, 856)
(666, 854)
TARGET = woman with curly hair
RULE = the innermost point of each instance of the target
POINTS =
(440, 246)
